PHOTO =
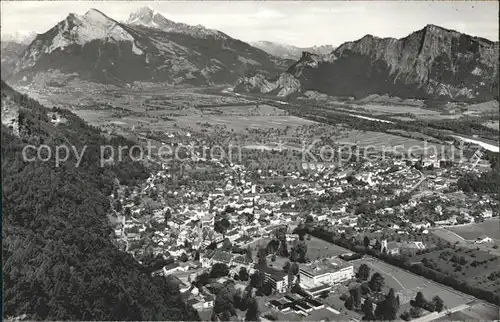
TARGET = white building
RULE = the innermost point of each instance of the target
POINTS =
(329, 273)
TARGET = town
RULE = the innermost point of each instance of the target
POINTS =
(267, 237)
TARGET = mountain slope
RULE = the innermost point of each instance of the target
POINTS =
(10, 53)
(288, 51)
(432, 62)
(59, 262)
(150, 47)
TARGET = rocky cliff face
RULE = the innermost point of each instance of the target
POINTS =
(149, 47)
(432, 62)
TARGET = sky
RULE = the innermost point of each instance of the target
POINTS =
(299, 23)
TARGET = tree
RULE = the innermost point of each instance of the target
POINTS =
(243, 274)
(299, 253)
(266, 288)
(420, 300)
(286, 267)
(248, 255)
(356, 297)
(366, 241)
(294, 269)
(219, 270)
(283, 249)
(226, 245)
(415, 312)
(365, 289)
(252, 310)
(349, 303)
(367, 309)
(261, 256)
(168, 215)
(376, 282)
(257, 280)
(222, 225)
(363, 272)
(272, 246)
(391, 306)
(184, 257)
(223, 305)
(438, 303)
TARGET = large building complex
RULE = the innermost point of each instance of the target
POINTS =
(319, 277)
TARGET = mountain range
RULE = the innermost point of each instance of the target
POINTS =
(433, 62)
(147, 47)
(288, 51)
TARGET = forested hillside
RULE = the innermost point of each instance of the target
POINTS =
(58, 260)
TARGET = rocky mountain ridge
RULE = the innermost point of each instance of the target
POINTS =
(431, 62)
(148, 47)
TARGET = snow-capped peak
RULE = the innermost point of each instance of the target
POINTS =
(143, 16)
(148, 17)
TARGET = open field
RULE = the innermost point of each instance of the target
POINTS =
(489, 227)
(407, 284)
(241, 123)
(486, 107)
(476, 266)
(317, 249)
(397, 109)
(476, 312)
(380, 141)
(447, 235)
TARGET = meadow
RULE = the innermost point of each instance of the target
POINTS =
(380, 140)
(466, 263)
(378, 109)
(489, 227)
(318, 249)
(407, 285)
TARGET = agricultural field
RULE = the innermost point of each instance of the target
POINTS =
(407, 285)
(486, 107)
(475, 312)
(474, 265)
(381, 141)
(489, 227)
(379, 109)
(238, 123)
(447, 235)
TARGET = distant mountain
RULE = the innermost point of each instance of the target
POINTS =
(10, 53)
(11, 48)
(289, 51)
(430, 63)
(149, 17)
(148, 47)
(22, 38)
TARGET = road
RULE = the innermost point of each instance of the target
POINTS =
(422, 179)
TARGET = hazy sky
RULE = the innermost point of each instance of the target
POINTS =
(300, 23)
